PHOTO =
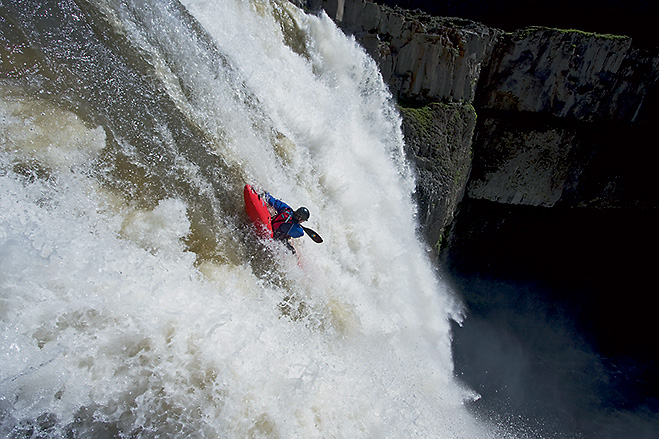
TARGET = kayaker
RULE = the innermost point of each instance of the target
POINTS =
(286, 222)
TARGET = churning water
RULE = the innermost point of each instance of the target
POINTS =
(136, 300)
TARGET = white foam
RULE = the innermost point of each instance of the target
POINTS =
(104, 308)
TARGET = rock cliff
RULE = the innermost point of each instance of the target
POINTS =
(537, 117)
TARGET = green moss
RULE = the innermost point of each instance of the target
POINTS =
(444, 236)
(440, 240)
(522, 34)
(439, 124)
(422, 116)
(425, 115)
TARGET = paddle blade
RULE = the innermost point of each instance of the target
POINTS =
(313, 235)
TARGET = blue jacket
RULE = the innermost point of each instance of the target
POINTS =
(283, 224)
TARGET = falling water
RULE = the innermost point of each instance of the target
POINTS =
(135, 298)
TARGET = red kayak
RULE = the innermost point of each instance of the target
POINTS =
(258, 212)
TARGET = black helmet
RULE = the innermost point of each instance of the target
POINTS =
(302, 214)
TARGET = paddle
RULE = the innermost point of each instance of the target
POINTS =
(313, 235)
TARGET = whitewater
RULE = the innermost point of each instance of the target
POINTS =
(135, 297)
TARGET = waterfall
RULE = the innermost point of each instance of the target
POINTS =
(135, 297)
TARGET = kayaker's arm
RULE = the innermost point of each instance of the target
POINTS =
(277, 204)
